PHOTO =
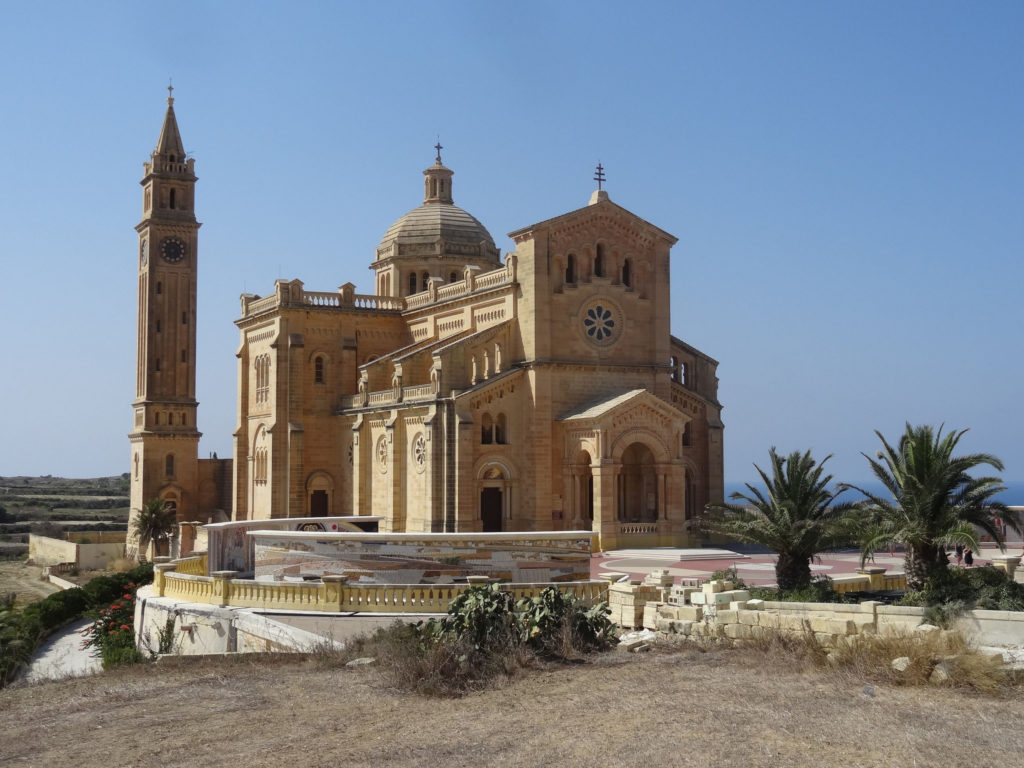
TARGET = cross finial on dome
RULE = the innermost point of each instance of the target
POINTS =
(599, 175)
(438, 147)
(170, 92)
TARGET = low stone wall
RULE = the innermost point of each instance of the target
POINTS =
(199, 630)
(714, 609)
(88, 550)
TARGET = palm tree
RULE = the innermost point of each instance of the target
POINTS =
(935, 502)
(796, 517)
(154, 522)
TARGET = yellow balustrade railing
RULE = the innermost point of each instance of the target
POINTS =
(337, 595)
(194, 564)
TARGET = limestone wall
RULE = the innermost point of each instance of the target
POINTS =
(716, 610)
(95, 551)
(42, 550)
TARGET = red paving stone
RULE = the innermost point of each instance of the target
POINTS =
(755, 569)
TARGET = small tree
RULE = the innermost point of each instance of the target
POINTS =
(154, 522)
(796, 517)
(934, 501)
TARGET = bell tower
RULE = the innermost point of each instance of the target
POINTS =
(164, 438)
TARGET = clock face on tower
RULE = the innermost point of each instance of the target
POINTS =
(144, 252)
(173, 250)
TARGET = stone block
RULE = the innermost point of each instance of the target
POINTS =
(755, 604)
(727, 616)
(650, 615)
(738, 605)
(736, 595)
(690, 612)
(681, 595)
(738, 631)
(681, 627)
(713, 586)
(791, 623)
(750, 618)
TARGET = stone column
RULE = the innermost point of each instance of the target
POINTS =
(222, 585)
(876, 577)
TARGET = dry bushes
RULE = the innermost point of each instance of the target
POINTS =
(870, 658)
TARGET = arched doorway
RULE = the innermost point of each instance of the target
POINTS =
(319, 490)
(494, 498)
(638, 486)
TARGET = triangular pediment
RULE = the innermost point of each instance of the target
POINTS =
(637, 405)
(603, 214)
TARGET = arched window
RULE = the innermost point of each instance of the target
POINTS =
(486, 429)
(318, 370)
(627, 273)
(599, 261)
(184, 356)
(453, 277)
(674, 365)
(412, 283)
(687, 439)
(184, 318)
(570, 268)
(684, 374)
(426, 281)
(500, 434)
(159, 287)
(172, 198)
(169, 465)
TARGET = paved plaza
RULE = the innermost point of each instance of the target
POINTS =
(754, 569)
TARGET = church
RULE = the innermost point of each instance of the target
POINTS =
(471, 392)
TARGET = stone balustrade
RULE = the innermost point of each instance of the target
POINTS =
(335, 594)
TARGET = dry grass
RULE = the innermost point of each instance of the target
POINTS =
(24, 580)
(682, 707)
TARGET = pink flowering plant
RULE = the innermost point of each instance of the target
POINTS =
(111, 636)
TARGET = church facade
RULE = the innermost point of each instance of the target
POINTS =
(541, 390)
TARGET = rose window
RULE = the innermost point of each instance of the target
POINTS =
(419, 452)
(382, 453)
(600, 323)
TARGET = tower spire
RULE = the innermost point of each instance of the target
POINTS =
(169, 142)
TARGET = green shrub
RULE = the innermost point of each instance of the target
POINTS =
(558, 623)
(962, 589)
(482, 616)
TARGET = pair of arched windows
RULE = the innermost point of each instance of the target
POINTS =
(680, 371)
(262, 371)
(418, 282)
(260, 466)
(493, 430)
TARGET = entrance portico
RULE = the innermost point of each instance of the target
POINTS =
(627, 476)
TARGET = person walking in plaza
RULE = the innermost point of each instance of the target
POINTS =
(959, 554)
(968, 557)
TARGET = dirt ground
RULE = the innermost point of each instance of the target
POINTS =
(24, 581)
(683, 708)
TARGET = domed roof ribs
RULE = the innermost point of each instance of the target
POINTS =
(169, 142)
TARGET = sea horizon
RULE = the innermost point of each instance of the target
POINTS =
(1013, 496)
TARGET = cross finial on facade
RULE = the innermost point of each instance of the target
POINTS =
(599, 175)
(438, 147)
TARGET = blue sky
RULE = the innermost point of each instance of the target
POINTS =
(845, 180)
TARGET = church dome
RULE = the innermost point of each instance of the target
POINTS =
(439, 228)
